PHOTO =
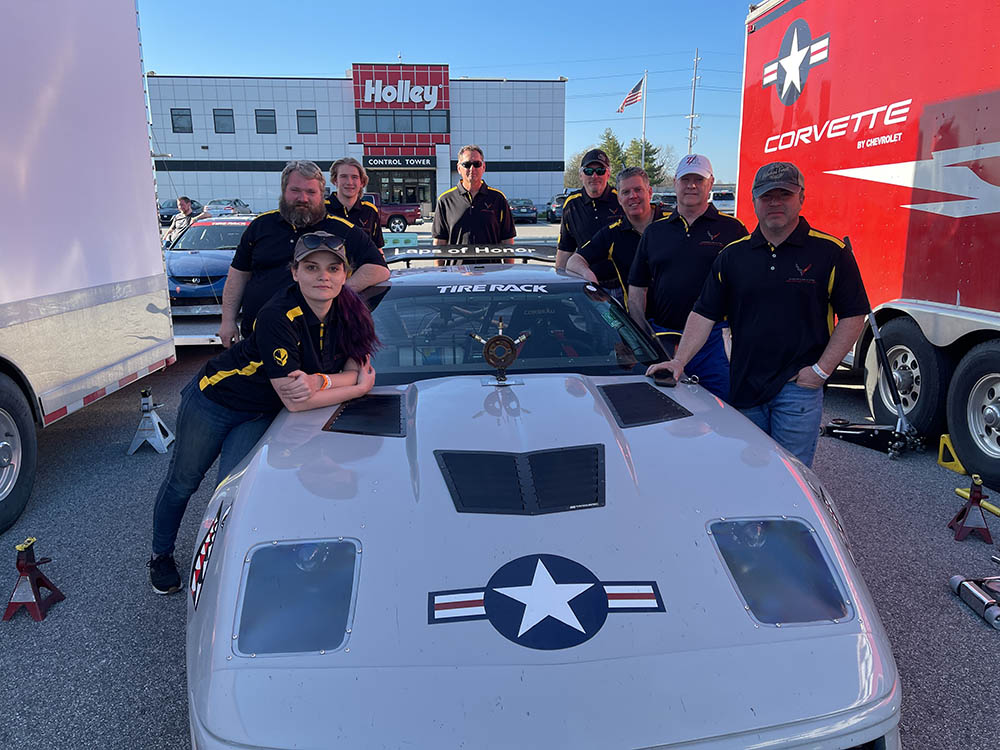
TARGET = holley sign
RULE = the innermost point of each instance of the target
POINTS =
(398, 86)
(403, 91)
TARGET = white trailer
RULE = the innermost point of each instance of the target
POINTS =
(83, 298)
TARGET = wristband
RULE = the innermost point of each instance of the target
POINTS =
(327, 385)
(819, 371)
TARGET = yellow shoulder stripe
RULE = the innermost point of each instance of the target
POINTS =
(370, 204)
(447, 191)
(569, 198)
(267, 212)
(736, 242)
(825, 236)
(341, 219)
(206, 381)
(616, 224)
(294, 313)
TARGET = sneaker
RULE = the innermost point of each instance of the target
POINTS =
(163, 574)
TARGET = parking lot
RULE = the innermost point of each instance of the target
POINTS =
(106, 668)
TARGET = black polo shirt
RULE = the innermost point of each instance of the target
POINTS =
(363, 213)
(461, 219)
(611, 251)
(288, 336)
(781, 304)
(674, 258)
(265, 251)
(583, 217)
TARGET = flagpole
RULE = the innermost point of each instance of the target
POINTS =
(645, 74)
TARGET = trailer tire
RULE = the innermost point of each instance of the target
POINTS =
(18, 452)
(922, 373)
(974, 412)
(396, 224)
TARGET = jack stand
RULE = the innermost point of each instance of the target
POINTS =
(967, 519)
(892, 440)
(947, 457)
(151, 428)
(982, 594)
(27, 592)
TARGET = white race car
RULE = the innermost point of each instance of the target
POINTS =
(517, 540)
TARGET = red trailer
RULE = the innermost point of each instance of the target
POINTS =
(892, 112)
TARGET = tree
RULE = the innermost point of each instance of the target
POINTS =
(660, 160)
(571, 176)
(614, 149)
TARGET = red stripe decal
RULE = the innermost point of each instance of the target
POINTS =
(128, 379)
(631, 596)
(157, 365)
(458, 605)
(57, 414)
(91, 398)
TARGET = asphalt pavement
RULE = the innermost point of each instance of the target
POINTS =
(106, 667)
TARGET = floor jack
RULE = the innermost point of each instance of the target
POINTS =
(982, 594)
(151, 428)
(891, 439)
(27, 591)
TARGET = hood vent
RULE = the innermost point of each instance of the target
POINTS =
(636, 404)
(546, 481)
(370, 415)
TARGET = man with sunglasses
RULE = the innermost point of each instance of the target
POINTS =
(472, 211)
(589, 209)
(260, 266)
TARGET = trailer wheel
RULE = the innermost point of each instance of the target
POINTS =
(921, 372)
(974, 411)
(18, 452)
(396, 224)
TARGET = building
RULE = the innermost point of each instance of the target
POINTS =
(229, 137)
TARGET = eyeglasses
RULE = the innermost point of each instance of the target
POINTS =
(312, 241)
(594, 170)
(470, 164)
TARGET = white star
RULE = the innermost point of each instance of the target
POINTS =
(545, 598)
(793, 63)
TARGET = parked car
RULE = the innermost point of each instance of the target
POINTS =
(198, 262)
(168, 209)
(523, 210)
(395, 216)
(555, 208)
(227, 207)
(724, 200)
(668, 201)
(508, 528)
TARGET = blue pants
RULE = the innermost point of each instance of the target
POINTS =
(205, 431)
(710, 364)
(792, 418)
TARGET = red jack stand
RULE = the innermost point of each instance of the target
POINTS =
(971, 519)
(26, 592)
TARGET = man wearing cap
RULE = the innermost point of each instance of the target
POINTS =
(607, 257)
(260, 266)
(588, 209)
(672, 262)
(780, 288)
(472, 211)
(350, 179)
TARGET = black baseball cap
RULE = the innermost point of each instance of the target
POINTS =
(777, 174)
(595, 154)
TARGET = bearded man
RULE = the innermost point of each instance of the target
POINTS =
(260, 267)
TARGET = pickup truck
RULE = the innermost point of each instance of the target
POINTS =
(395, 216)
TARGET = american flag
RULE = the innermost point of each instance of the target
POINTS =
(633, 96)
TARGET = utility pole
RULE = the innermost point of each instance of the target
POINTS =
(694, 85)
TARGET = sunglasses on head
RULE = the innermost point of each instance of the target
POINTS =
(312, 241)
(593, 170)
(470, 164)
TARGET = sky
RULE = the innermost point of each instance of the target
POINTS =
(601, 48)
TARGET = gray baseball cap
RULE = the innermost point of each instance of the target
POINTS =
(316, 241)
(777, 174)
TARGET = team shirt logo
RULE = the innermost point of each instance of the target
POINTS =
(281, 357)
(799, 53)
(544, 601)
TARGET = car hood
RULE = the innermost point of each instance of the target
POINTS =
(658, 677)
(198, 262)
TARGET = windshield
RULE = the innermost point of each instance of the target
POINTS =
(723, 196)
(164, 205)
(520, 202)
(425, 332)
(210, 237)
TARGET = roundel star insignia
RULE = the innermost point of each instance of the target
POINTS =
(798, 55)
(544, 601)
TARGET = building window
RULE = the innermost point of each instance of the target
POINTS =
(180, 120)
(402, 121)
(307, 121)
(266, 124)
(224, 121)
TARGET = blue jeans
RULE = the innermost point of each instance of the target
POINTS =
(205, 431)
(710, 364)
(792, 418)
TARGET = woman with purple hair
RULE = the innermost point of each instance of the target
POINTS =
(310, 348)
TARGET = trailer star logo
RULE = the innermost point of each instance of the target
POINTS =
(544, 602)
(799, 53)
